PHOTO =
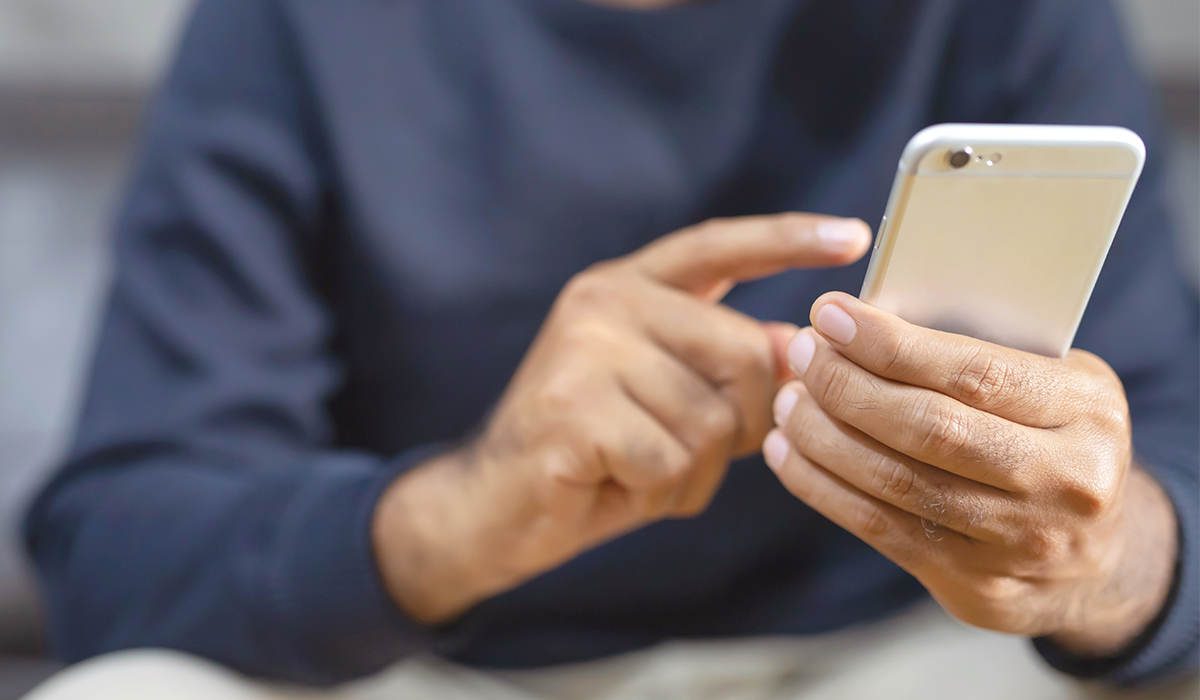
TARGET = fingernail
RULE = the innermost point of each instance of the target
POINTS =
(784, 403)
(775, 449)
(841, 233)
(835, 324)
(800, 352)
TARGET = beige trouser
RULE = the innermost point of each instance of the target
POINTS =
(922, 655)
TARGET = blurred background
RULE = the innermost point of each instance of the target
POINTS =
(73, 77)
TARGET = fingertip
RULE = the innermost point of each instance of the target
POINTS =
(785, 401)
(801, 350)
(834, 323)
(775, 449)
(848, 239)
(842, 233)
(846, 314)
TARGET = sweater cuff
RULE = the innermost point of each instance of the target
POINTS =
(1171, 642)
(324, 588)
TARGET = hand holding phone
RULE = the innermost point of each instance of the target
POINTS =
(1002, 479)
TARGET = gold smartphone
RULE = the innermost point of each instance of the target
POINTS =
(999, 231)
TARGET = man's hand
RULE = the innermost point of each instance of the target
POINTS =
(1002, 480)
(638, 391)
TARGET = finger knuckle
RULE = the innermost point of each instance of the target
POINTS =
(986, 378)
(718, 421)
(1090, 367)
(894, 353)
(1097, 384)
(705, 237)
(812, 435)
(585, 334)
(894, 482)
(944, 430)
(589, 288)
(1013, 455)
(1000, 592)
(1092, 493)
(834, 383)
(994, 603)
(667, 465)
(560, 466)
(871, 521)
(784, 226)
(713, 226)
(560, 392)
(1044, 547)
(1113, 420)
(1024, 480)
(1108, 414)
(1107, 376)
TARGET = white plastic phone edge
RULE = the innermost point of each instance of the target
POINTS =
(949, 135)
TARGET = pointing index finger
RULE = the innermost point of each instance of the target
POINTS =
(709, 258)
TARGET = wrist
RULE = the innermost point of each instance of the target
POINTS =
(429, 535)
(1115, 611)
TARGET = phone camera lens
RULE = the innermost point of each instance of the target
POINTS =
(959, 159)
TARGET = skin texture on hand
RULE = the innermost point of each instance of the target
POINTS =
(638, 391)
(1003, 481)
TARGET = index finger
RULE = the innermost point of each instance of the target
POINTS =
(709, 258)
(1018, 386)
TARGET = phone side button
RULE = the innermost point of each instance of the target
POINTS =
(879, 236)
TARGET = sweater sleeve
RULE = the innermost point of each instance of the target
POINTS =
(1063, 61)
(204, 506)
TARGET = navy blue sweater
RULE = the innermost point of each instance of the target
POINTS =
(349, 217)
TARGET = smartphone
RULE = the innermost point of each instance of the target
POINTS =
(999, 231)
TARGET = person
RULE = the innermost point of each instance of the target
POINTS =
(402, 362)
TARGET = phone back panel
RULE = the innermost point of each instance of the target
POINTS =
(1007, 252)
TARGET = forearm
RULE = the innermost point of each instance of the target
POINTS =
(1104, 619)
